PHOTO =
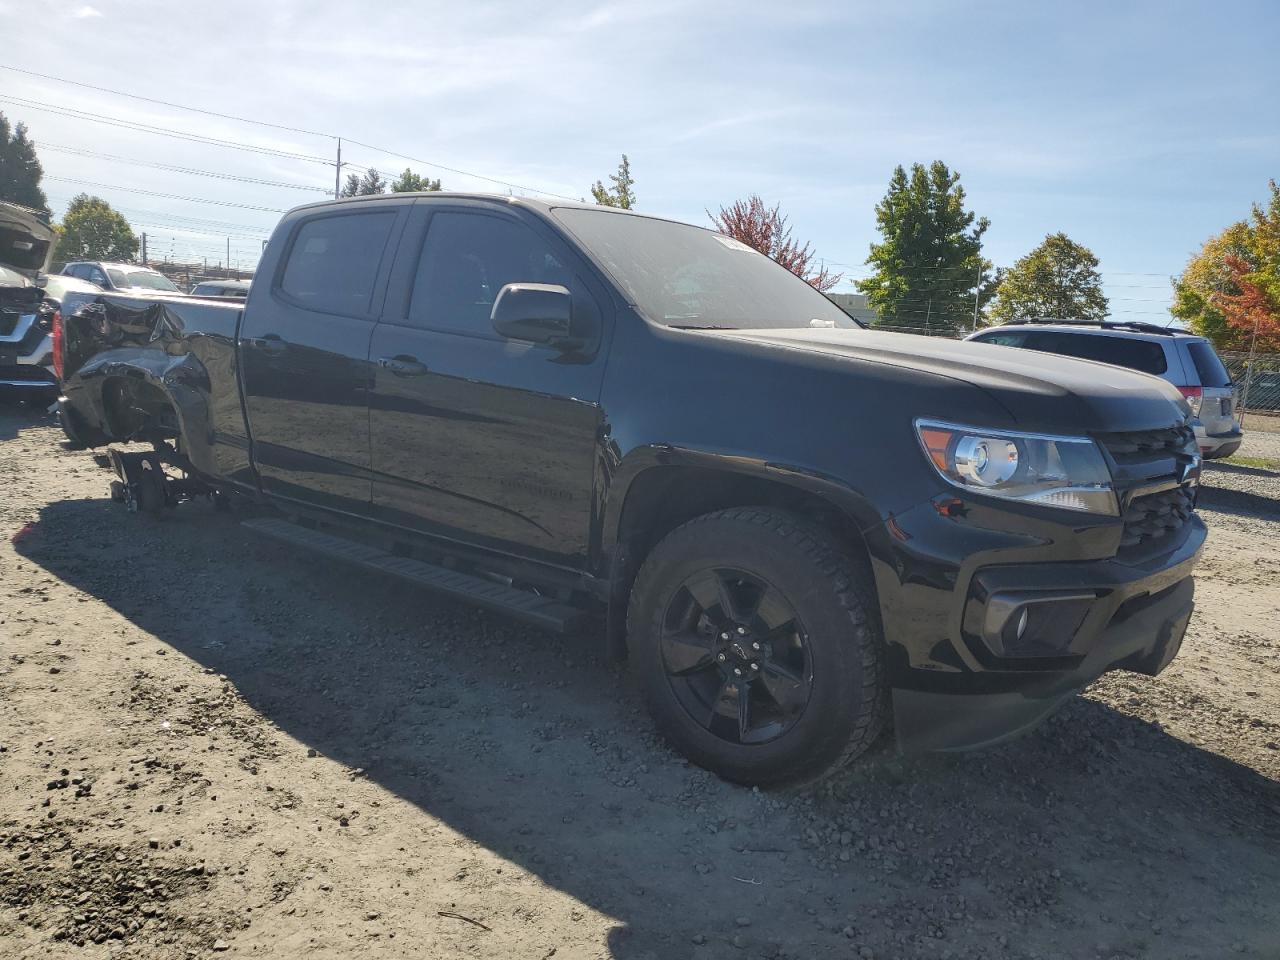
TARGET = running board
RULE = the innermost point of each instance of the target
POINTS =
(523, 604)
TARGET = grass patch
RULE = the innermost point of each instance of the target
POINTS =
(1261, 463)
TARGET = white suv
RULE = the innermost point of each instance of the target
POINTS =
(1185, 360)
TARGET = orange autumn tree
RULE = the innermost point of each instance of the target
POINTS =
(1249, 309)
(765, 229)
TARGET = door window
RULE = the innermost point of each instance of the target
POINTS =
(1011, 339)
(1146, 356)
(466, 259)
(333, 264)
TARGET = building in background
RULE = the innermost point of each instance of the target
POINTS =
(855, 305)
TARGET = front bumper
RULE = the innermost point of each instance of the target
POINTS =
(954, 687)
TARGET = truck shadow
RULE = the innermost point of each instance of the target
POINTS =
(534, 748)
(18, 413)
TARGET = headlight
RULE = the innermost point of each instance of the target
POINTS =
(1064, 472)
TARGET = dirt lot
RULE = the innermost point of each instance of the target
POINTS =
(212, 746)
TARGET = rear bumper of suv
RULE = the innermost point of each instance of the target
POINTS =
(1215, 446)
(962, 676)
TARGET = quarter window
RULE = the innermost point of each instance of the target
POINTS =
(333, 264)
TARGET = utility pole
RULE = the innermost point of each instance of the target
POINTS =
(228, 253)
(1248, 370)
(144, 250)
(337, 172)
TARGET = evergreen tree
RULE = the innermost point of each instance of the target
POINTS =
(929, 264)
(20, 169)
(370, 184)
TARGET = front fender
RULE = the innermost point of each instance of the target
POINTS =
(851, 502)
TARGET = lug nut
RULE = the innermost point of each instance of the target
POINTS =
(755, 646)
(755, 666)
(721, 658)
(724, 636)
(737, 671)
(741, 631)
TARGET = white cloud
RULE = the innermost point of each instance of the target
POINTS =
(86, 12)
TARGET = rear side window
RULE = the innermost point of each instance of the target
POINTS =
(1208, 366)
(1145, 356)
(466, 259)
(1011, 339)
(333, 264)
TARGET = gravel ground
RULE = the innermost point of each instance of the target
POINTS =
(212, 745)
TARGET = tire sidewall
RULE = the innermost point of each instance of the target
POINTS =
(834, 634)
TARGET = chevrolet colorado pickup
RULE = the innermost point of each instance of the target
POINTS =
(796, 530)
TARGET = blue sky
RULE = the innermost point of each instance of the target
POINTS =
(1138, 128)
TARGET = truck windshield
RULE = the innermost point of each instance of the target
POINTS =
(684, 276)
(141, 279)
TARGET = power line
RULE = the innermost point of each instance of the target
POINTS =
(150, 128)
(188, 170)
(166, 196)
(75, 114)
(460, 172)
(166, 103)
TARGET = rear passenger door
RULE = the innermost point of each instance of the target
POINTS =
(475, 437)
(304, 348)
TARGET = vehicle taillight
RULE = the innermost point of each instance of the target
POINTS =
(57, 345)
(1194, 396)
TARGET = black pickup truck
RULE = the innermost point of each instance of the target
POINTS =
(797, 530)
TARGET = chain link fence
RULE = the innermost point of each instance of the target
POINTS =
(1257, 383)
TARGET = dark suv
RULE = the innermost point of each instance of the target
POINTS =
(796, 529)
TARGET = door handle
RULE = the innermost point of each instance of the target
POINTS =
(270, 343)
(403, 365)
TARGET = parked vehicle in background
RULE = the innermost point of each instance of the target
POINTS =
(25, 239)
(221, 288)
(26, 337)
(1185, 360)
(559, 411)
(120, 276)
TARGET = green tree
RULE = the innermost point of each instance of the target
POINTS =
(91, 230)
(370, 184)
(621, 193)
(1243, 261)
(929, 264)
(410, 182)
(1057, 279)
(20, 169)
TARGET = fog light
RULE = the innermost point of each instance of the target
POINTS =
(1033, 623)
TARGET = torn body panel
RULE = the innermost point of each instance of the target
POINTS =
(158, 368)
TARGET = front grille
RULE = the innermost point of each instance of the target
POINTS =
(1142, 459)
(8, 321)
(1142, 446)
(1156, 515)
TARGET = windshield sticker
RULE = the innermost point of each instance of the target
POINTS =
(732, 244)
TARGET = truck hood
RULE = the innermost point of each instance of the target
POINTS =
(1040, 391)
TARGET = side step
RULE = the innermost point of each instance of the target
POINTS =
(541, 611)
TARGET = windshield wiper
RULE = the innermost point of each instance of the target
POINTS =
(699, 326)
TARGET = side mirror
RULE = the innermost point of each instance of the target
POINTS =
(535, 313)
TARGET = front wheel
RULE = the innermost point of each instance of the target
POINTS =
(754, 644)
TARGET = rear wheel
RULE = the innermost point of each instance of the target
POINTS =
(753, 640)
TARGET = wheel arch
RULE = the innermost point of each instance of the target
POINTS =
(669, 488)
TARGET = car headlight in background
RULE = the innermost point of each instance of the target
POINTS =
(1064, 472)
